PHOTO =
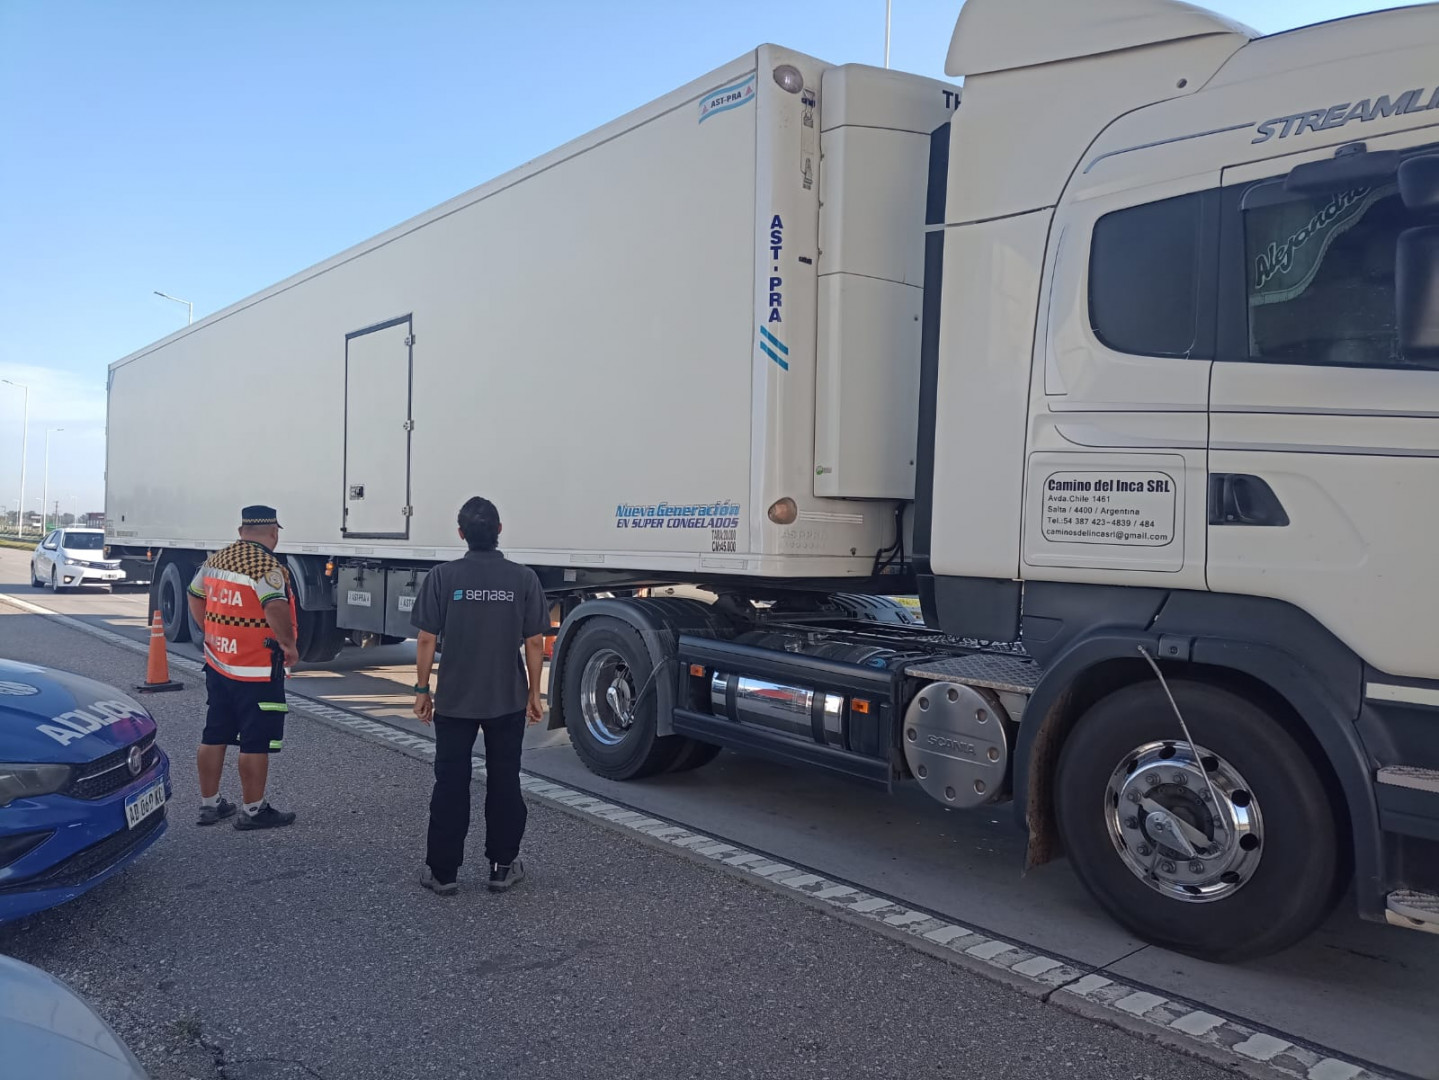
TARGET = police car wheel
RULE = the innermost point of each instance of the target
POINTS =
(1138, 817)
(610, 706)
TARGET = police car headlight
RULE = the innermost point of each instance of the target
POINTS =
(26, 781)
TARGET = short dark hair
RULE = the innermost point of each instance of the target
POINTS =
(480, 524)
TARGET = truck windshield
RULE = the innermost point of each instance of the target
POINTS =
(1320, 276)
(83, 541)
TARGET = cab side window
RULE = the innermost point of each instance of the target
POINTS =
(1151, 277)
(1319, 275)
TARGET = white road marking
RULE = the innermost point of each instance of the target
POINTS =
(1215, 1037)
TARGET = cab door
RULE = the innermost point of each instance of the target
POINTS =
(1324, 427)
(1116, 472)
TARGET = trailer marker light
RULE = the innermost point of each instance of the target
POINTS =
(330, 568)
(697, 670)
(861, 706)
(789, 78)
(784, 512)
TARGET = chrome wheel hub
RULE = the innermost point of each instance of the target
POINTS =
(607, 697)
(1190, 829)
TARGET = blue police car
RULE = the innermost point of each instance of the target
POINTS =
(83, 786)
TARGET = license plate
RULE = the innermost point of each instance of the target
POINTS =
(144, 803)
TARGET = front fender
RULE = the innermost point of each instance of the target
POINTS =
(1326, 715)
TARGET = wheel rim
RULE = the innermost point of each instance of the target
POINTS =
(607, 697)
(167, 603)
(1172, 833)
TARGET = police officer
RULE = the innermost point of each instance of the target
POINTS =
(484, 606)
(242, 597)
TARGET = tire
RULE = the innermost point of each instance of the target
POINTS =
(55, 586)
(317, 638)
(170, 599)
(1284, 871)
(695, 755)
(35, 582)
(607, 652)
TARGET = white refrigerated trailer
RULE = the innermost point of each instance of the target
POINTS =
(1125, 357)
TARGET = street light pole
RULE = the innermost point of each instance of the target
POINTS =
(45, 502)
(24, 445)
(189, 307)
(888, 10)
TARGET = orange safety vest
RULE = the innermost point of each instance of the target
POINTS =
(236, 583)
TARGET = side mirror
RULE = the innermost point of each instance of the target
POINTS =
(1351, 166)
(1416, 292)
(1419, 182)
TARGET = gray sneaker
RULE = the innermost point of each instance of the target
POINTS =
(503, 878)
(439, 888)
(267, 818)
(211, 815)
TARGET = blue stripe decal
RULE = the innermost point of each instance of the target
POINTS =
(726, 98)
(776, 342)
(781, 361)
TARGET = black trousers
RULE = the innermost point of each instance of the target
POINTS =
(505, 811)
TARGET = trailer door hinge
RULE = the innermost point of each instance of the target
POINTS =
(410, 339)
(409, 425)
(407, 511)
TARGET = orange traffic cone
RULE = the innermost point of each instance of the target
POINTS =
(157, 666)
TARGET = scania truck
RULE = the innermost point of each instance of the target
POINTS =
(1123, 356)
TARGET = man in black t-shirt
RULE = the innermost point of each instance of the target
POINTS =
(485, 606)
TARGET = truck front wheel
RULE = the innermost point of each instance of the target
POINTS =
(610, 703)
(1231, 854)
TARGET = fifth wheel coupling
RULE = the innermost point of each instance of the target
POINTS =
(956, 744)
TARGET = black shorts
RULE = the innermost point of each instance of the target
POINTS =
(251, 714)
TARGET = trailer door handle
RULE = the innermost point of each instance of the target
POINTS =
(1243, 499)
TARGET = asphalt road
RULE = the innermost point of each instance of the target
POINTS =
(1365, 991)
(311, 952)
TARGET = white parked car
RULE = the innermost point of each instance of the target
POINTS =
(68, 558)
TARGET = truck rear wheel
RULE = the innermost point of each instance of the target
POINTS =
(171, 590)
(610, 703)
(1235, 854)
(318, 639)
(695, 755)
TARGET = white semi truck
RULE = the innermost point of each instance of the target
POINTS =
(1124, 356)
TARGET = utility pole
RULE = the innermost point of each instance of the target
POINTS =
(24, 446)
(45, 502)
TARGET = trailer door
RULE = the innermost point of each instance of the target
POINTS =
(377, 432)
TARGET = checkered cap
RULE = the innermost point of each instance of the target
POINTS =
(259, 515)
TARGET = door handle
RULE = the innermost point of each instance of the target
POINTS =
(1244, 499)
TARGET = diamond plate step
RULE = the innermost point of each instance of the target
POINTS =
(1414, 910)
(994, 670)
(1409, 776)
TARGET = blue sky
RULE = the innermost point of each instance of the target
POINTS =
(209, 149)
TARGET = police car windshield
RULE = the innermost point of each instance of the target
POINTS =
(83, 541)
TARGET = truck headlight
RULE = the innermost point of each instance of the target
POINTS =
(25, 781)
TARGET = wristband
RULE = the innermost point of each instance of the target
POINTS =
(421, 689)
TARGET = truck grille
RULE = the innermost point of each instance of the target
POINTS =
(107, 775)
(94, 860)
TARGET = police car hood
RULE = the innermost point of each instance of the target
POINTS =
(55, 717)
